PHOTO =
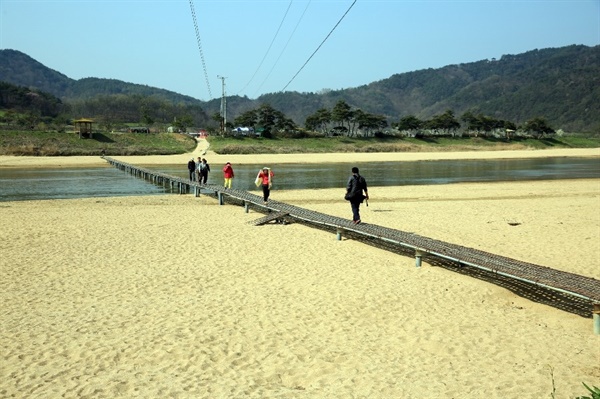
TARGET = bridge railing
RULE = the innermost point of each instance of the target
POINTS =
(585, 289)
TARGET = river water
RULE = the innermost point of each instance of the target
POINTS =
(35, 184)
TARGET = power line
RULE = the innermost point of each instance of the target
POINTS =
(284, 47)
(329, 34)
(269, 49)
(200, 47)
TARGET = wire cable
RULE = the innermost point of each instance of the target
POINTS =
(200, 47)
(284, 47)
(324, 40)
(269, 49)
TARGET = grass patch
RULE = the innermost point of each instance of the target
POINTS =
(66, 144)
(69, 144)
(227, 145)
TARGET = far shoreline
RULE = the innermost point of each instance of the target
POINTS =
(7, 161)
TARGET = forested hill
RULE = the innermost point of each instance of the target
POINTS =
(20, 69)
(561, 85)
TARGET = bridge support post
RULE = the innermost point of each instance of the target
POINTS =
(220, 196)
(596, 315)
(196, 191)
(246, 206)
(418, 257)
(339, 234)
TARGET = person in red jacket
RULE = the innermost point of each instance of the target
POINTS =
(265, 177)
(228, 175)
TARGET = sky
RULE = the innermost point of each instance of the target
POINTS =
(249, 48)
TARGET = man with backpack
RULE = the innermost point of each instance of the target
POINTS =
(354, 193)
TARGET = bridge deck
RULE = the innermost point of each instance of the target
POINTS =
(583, 287)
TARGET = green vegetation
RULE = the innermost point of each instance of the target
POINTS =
(517, 102)
(38, 143)
(67, 144)
(557, 84)
(246, 145)
(595, 392)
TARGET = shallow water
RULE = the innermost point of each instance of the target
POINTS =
(331, 175)
(35, 184)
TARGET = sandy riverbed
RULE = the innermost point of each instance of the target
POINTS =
(203, 150)
(177, 297)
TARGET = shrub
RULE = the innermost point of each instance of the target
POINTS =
(595, 391)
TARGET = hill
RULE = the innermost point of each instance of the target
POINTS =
(560, 84)
(20, 69)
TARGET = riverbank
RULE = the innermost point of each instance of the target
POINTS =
(203, 150)
(176, 296)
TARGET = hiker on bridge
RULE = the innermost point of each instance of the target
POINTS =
(265, 179)
(203, 169)
(354, 193)
(192, 169)
(228, 175)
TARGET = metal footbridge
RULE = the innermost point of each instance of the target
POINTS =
(569, 291)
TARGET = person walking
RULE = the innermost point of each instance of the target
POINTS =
(265, 179)
(198, 169)
(228, 175)
(203, 169)
(192, 169)
(354, 193)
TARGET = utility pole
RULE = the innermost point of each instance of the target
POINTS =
(223, 106)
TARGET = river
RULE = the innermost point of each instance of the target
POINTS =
(35, 184)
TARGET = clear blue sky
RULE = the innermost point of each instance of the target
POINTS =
(259, 46)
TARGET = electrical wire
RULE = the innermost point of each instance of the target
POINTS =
(200, 47)
(269, 49)
(324, 40)
(284, 47)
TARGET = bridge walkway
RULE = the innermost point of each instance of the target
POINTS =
(582, 287)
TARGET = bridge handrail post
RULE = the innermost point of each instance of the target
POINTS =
(596, 316)
(418, 257)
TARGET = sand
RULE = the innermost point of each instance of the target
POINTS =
(203, 150)
(177, 297)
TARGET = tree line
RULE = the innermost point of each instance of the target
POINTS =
(32, 109)
(343, 120)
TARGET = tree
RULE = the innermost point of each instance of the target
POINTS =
(10, 117)
(183, 122)
(472, 121)
(539, 127)
(369, 123)
(444, 122)
(273, 121)
(266, 118)
(247, 119)
(409, 123)
(146, 117)
(341, 113)
(319, 121)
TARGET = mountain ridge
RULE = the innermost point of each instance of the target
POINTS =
(560, 84)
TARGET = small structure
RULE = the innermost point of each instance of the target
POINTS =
(243, 131)
(139, 129)
(84, 126)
